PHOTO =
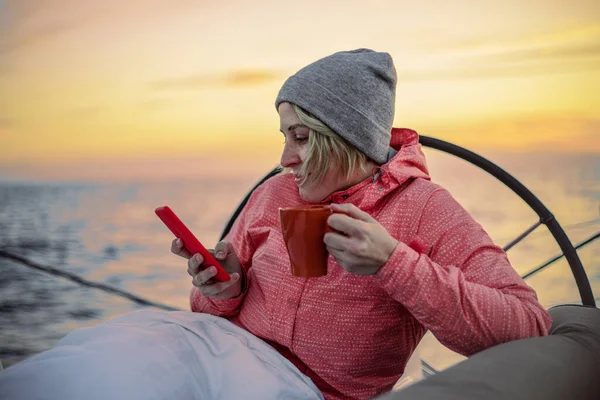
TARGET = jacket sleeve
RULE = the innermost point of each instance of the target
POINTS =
(461, 287)
(244, 248)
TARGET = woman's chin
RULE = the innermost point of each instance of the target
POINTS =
(310, 196)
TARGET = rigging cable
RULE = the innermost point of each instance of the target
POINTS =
(84, 282)
(140, 300)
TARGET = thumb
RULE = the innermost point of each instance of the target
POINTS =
(223, 249)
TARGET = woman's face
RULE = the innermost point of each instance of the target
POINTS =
(294, 154)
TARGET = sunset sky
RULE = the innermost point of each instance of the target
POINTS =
(118, 85)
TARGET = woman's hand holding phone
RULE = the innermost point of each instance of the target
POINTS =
(202, 277)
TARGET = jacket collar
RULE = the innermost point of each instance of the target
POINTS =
(406, 163)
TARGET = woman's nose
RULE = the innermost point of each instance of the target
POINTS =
(289, 157)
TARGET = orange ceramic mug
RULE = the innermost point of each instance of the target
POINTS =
(303, 229)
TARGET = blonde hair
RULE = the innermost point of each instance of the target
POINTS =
(323, 145)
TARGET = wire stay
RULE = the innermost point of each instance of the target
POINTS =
(84, 282)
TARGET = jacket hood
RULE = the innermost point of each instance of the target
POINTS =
(408, 163)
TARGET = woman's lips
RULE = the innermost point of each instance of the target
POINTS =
(299, 179)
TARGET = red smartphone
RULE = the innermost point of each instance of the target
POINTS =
(190, 242)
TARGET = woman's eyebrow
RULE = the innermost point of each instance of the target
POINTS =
(294, 126)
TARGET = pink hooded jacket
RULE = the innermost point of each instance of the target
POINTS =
(354, 334)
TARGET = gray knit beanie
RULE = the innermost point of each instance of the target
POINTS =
(353, 93)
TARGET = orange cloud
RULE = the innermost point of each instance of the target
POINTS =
(87, 111)
(470, 72)
(5, 124)
(533, 134)
(23, 26)
(235, 78)
(558, 52)
(580, 44)
(21, 39)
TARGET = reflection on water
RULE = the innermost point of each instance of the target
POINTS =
(109, 233)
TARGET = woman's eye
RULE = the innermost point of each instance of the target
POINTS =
(297, 139)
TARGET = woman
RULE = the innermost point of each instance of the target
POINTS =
(411, 260)
(408, 259)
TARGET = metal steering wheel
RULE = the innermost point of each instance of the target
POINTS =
(545, 216)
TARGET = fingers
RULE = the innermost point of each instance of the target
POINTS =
(223, 249)
(194, 265)
(203, 277)
(178, 248)
(341, 257)
(342, 243)
(335, 241)
(209, 289)
(346, 224)
(352, 211)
